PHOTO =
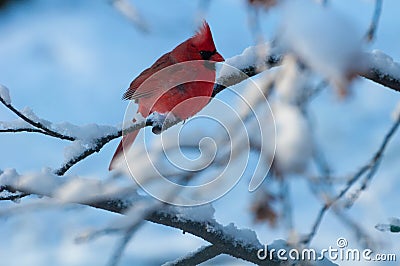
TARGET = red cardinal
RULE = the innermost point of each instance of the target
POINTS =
(175, 83)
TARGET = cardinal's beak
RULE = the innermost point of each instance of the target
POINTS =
(217, 57)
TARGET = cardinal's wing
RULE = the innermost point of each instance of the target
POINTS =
(162, 76)
(149, 78)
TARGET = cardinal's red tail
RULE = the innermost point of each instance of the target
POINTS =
(125, 144)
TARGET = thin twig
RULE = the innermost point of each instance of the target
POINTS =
(24, 129)
(99, 143)
(374, 21)
(129, 11)
(356, 229)
(120, 248)
(210, 231)
(38, 125)
(287, 209)
(203, 254)
(372, 167)
(373, 73)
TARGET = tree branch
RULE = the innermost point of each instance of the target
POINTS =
(377, 75)
(24, 129)
(96, 147)
(35, 124)
(210, 231)
(371, 168)
(229, 240)
(375, 20)
(201, 255)
(374, 73)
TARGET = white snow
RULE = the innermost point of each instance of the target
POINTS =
(8, 177)
(160, 119)
(290, 81)
(86, 133)
(385, 64)
(14, 124)
(294, 143)
(73, 150)
(198, 213)
(29, 113)
(250, 56)
(42, 183)
(78, 189)
(242, 236)
(86, 136)
(5, 94)
(326, 40)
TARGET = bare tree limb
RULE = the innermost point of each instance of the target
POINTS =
(199, 256)
(120, 248)
(370, 168)
(375, 20)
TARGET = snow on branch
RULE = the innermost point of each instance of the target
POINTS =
(30, 118)
(380, 68)
(239, 243)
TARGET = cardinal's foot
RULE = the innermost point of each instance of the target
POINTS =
(161, 122)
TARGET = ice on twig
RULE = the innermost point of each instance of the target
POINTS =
(5, 94)
(242, 236)
(28, 112)
(200, 213)
(86, 136)
(385, 64)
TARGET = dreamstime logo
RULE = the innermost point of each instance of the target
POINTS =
(340, 252)
(216, 143)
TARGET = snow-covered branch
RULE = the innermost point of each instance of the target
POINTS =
(239, 243)
(39, 126)
(381, 69)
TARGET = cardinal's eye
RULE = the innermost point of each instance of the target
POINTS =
(206, 55)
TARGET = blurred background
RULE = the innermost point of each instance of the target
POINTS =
(72, 60)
